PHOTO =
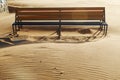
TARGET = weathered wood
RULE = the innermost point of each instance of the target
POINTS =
(39, 17)
(82, 13)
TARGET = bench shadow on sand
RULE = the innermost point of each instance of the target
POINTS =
(24, 39)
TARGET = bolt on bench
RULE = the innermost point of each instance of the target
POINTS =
(86, 15)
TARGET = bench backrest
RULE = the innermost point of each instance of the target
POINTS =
(82, 13)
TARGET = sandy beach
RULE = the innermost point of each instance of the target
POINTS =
(37, 55)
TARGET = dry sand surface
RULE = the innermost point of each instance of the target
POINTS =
(35, 56)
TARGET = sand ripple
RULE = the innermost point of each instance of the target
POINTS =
(46, 62)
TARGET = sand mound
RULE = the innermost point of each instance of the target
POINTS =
(85, 31)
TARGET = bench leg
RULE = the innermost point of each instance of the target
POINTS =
(14, 30)
(102, 30)
(59, 32)
(20, 26)
(106, 28)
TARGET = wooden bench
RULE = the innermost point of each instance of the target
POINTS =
(81, 15)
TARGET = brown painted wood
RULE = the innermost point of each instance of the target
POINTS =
(35, 17)
(79, 13)
(38, 13)
(63, 8)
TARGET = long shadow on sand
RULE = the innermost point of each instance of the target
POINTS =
(24, 39)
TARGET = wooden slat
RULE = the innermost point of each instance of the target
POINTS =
(84, 8)
(63, 17)
(38, 18)
(81, 13)
(63, 8)
(33, 9)
(38, 13)
(82, 17)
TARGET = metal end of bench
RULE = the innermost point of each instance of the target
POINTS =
(14, 30)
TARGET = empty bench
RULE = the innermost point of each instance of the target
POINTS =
(58, 16)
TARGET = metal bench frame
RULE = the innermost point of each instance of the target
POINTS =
(17, 25)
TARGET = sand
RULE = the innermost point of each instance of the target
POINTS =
(38, 55)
